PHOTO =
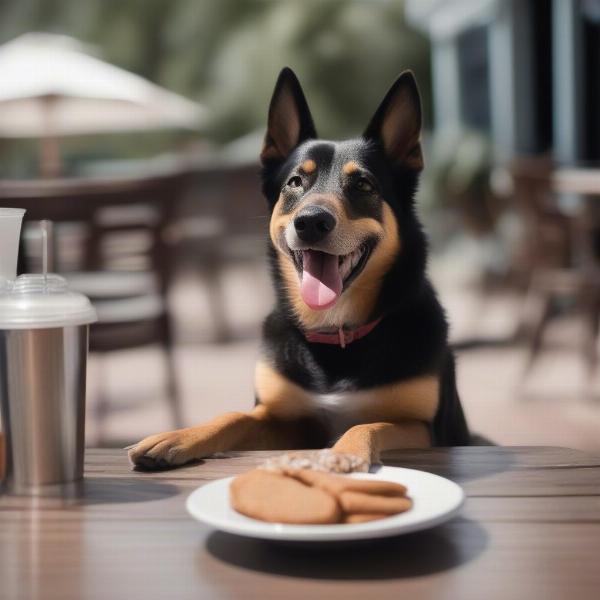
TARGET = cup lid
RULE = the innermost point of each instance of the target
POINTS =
(42, 302)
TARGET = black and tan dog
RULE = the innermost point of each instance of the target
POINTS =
(355, 353)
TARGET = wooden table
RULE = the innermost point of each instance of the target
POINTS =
(584, 181)
(530, 529)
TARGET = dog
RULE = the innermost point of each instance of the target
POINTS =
(355, 353)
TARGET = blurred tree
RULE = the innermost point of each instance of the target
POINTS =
(346, 54)
(227, 53)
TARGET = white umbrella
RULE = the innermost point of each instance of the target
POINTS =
(50, 86)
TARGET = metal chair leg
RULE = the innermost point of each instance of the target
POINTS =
(102, 406)
(591, 320)
(172, 387)
(537, 328)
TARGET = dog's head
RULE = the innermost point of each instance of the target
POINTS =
(341, 212)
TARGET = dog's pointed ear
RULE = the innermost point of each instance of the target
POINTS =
(290, 121)
(396, 124)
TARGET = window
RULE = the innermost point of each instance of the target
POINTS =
(474, 78)
(591, 79)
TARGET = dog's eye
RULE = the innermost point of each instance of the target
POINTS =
(364, 185)
(295, 182)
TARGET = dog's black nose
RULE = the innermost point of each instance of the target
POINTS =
(313, 223)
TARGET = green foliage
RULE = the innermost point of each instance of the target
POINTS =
(227, 53)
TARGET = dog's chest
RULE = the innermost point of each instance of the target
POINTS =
(412, 400)
(340, 410)
(416, 398)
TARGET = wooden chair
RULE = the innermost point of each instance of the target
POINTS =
(125, 263)
(558, 258)
(223, 220)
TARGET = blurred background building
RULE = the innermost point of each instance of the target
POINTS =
(136, 126)
(523, 73)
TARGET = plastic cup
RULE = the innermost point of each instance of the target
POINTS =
(10, 231)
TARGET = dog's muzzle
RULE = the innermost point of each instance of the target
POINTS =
(313, 224)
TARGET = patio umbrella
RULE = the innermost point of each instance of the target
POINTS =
(51, 87)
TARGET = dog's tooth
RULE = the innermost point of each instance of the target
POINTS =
(357, 256)
(345, 266)
(342, 267)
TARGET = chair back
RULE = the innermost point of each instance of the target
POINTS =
(119, 222)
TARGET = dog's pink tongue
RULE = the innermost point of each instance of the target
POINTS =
(321, 281)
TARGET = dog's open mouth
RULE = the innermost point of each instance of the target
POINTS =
(323, 277)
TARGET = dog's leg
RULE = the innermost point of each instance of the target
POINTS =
(226, 432)
(370, 439)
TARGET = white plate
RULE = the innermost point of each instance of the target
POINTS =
(435, 500)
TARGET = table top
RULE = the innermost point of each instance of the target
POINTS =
(585, 181)
(530, 529)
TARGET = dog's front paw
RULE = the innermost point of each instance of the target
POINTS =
(165, 450)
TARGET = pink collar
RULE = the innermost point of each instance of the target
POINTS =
(342, 337)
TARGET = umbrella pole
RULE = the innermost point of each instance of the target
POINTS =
(50, 158)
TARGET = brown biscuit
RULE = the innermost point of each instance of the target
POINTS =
(275, 498)
(357, 502)
(336, 484)
(363, 517)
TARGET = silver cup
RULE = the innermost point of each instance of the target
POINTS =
(44, 331)
(42, 398)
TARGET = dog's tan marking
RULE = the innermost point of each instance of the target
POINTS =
(356, 304)
(415, 398)
(370, 439)
(269, 151)
(255, 430)
(280, 396)
(347, 235)
(350, 167)
(278, 223)
(308, 166)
